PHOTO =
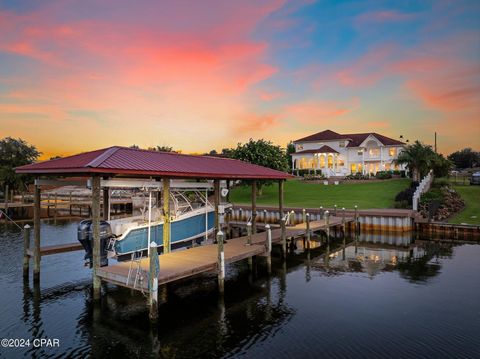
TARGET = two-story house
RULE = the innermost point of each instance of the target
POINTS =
(335, 154)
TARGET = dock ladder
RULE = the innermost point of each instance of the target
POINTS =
(135, 269)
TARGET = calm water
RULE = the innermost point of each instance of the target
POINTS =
(383, 297)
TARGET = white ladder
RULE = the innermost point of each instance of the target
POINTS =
(135, 268)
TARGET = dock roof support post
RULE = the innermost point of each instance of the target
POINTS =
(106, 203)
(221, 263)
(216, 201)
(307, 229)
(254, 206)
(36, 234)
(280, 197)
(154, 269)
(166, 215)
(96, 235)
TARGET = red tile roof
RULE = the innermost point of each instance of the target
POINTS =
(323, 149)
(128, 161)
(355, 138)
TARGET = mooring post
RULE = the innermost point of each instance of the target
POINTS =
(36, 234)
(96, 235)
(335, 210)
(154, 271)
(307, 219)
(249, 243)
(26, 247)
(265, 217)
(269, 248)
(321, 212)
(304, 218)
(355, 222)
(221, 263)
(240, 214)
(292, 218)
(327, 224)
(343, 221)
(284, 237)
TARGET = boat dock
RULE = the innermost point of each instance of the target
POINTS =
(185, 263)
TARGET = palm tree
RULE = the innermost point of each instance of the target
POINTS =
(418, 159)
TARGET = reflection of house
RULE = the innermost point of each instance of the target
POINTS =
(337, 154)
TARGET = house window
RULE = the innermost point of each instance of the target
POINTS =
(299, 147)
(360, 152)
(359, 169)
(374, 152)
(388, 166)
(340, 163)
(353, 168)
(342, 144)
(392, 152)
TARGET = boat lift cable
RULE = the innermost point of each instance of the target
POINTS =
(10, 219)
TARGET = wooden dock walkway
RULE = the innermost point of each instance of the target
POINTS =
(185, 263)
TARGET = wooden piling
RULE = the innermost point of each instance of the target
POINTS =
(106, 204)
(304, 218)
(327, 224)
(96, 235)
(36, 234)
(216, 198)
(265, 219)
(343, 222)
(221, 263)
(254, 206)
(249, 243)
(307, 233)
(154, 266)
(269, 248)
(280, 197)
(284, 237)
(26, 247)
(166, 215)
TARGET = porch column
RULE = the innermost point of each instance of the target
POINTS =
(166, 215)
(96, 235)
(36, 234)
(325, 165)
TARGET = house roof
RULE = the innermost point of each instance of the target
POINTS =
(323, 149)
(134, 162)
(355, 138)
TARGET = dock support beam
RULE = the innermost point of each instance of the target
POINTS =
(36, 233)
(254, 206)
(154, 269)
(166, 215)
(216, 203)
(26, 247)
(221, 263)
(96, 235)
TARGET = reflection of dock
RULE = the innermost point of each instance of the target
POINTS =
(193, 261)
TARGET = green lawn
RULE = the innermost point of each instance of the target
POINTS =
(304, 194)
(471, 213)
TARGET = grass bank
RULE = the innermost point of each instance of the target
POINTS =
(304, 194)
(471, 213)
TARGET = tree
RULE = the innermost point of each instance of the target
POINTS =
(466, 158)
(289, 151)
(441, 166)
(417, 158)
(164, 149)
(262, 153)
(14, 153)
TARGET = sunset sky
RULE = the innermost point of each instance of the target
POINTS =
(202, 75)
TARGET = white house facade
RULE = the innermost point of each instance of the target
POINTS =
(335, 154)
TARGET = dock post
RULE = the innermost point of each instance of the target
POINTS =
(96, 235)
(249, 243)
(335, 210)
(254, 206)
(166, 214)
(355, 222)
(280, 197)
(265, 221)
(292, 218)
(307, 223)
(269, 249)
(221, 263)
(240, 214)
(284, 237)
(154, 269)
(26, 247)
(327, 225)
(343, 221)
(321, 212)
(106, 203)
(36, 234)
(304, 218)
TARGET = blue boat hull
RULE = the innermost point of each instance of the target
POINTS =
(181, 230)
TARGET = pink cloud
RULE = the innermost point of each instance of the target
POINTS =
(253, 124)
(317, 112)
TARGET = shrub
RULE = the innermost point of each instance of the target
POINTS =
(402, 204)
(307, 172)
(313, 177)
(441, 182)
(357, 176)
(383, 175)
(406, 195)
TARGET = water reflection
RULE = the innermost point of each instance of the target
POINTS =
(277, 312)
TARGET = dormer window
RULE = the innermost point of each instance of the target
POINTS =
(342, 143)
(392, 152)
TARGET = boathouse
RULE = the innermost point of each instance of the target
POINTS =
(119, 166)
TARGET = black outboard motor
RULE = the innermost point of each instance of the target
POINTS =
(85, 237)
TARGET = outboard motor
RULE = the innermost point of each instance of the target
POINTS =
(85, 237)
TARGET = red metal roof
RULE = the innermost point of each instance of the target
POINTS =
(355, 139)
(128, 161)
(323, 149)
